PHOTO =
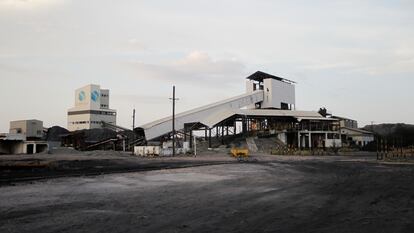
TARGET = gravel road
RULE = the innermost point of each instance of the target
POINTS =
(282, 195)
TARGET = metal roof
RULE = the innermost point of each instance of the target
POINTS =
(201, 109)
(280, 113)
(260, 76)
(358, 130)
(343, 118)
(208, 115)
(217, 117)
(315, 119)
(220, 116)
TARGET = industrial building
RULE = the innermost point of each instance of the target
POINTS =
(351, 135)
(346, 122)
(28, 128)
(268, 107)
(24, 137)
(91, 109)
(356, 137)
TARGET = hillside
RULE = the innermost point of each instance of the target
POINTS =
(394, 131)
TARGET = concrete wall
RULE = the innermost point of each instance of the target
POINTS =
(333, 143)
(362, 140)
(249, 86)
(18, 127)
(30, 128)
(19, 148)
(107, 118)
(12, 147)
(104, 99)
(348, 123)
(249, 89)
(89, 121)
(277, 92)
(74, 122)
(34, 128)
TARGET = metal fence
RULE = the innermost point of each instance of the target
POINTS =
(393, 148)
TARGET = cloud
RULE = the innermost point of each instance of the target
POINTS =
(365, 61)
(27, 3)
(326, 66)
(395, 67)
(200, 62)
(135, 44)
(140, 98)
(196, 66)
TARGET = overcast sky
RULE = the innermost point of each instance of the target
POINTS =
(354, 57)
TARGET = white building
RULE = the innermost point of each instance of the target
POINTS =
(29, 128)
(279, 93)
(352, 135)
(356, 136)
(346, 122)
(24, 137)
(91, 108)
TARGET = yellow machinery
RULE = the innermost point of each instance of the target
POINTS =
(240, 153)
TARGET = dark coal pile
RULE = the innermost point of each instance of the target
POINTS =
(129, 134)
(55, 133)
(97, 139)
(97, 135)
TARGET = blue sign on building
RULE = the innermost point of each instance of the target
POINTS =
(95, 96)
(81, 96)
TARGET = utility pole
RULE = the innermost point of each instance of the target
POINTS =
(173, 119)
(133, 131)
(133, 119)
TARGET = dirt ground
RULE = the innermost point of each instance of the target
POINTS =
(267, 194)
(17, 168)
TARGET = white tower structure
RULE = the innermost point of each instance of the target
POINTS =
(91, 108)
(279, 93)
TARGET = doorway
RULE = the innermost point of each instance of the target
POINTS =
(30, 148)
